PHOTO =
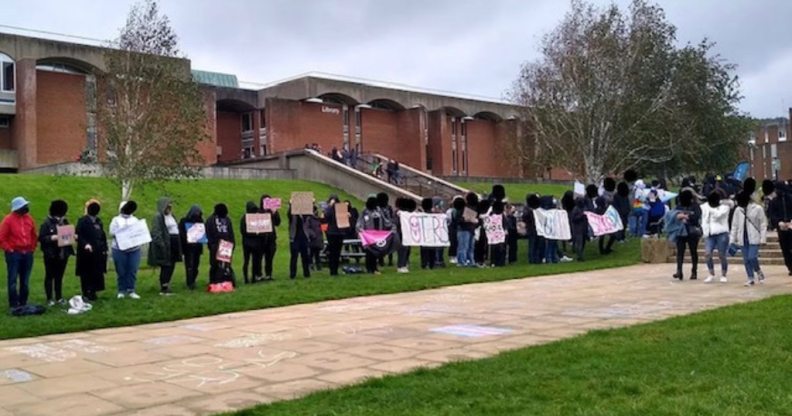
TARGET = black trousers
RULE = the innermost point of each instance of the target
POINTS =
(255, 254)
(498, 254)
(511, 241)
(316, 258)
(268, 251)
(192, 259)
(785, 240)
(452, 237)
(428, 257)
(691, 244)
(334, 245)
(54, 268)
(403, 256)
(606, 248)
(371, 263)
(299, 247)
(579, 244)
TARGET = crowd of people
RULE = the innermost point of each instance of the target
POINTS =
(726, 218)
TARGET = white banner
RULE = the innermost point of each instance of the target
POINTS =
(605, 224)
(420, 229)
(552, 224)
(133, 235)
(493, 226)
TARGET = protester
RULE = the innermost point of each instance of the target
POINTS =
(780, 213)
(55, 257)
(427, 253)
(498, 251)
(480, 241)
(715, 228)
(465, 229)
(219, 228)
(536, 243)
(269, 241)
(192, 251)
(91, 251)
(551, 254)
(512, 237)
(251, 247)
(316, 240)
(383, 204)
(127, 262)
(439, 252)
(602, 203)
(335, 235)
(687, 218)
(621, 202)
(299, 243)
(18, 241)
(579, 228)
(749, 231)
(404, 205)
(372, 218)
(452, 227)
(165, 247)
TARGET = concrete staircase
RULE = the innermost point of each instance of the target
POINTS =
(414, 180)
(769, 254)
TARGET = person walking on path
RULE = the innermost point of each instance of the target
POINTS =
(55, 257)
(780, 213)
(165, 248)
(688, 214)
(18, 241)
(127, 262)
(91, 251)
(715, 229)
(192, 251)
(749, 231)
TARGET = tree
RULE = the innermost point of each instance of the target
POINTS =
(151, 114)
(612, 92)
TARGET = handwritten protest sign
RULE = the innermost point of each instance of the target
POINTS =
(470, 215)
(272, 204)
(224, 251)
(580, 189)
(65, 235)
(342, 214)
(133, 235)
(258, 223)
(493, 226)
(605, 224)
(552, 224)
(302, 203)
(427, 230)
(196, 233)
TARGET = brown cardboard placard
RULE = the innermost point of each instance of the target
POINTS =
(342, 214)
(258, 223)
(302, 203)
(65, 235)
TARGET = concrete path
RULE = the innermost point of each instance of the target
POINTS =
(219, 363)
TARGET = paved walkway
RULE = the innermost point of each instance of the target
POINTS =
(219, 363)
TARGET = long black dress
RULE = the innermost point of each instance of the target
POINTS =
(91, 266)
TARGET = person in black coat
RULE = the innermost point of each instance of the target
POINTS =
(55, 258)
(621, 201)
(579, 227)
(603, 202)
(251, 246)
(91, 251)
(512, 237)
(536, 244)
(219, 227)
(316, 240)
(299, 243)
(335, 234)
(780, 215)
(427, 253)
(269, 241)
(690, 211)
(481, 246)
(192, 251)
(383, 203)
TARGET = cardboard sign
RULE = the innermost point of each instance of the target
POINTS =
(470, 215)
(133, 235)
(272, 204)
(196, 233)
(258, 223)
(605, 224)
(579, 189)
(302, 203)
(224, 251)
(493, 226)
(427, 230)
(552, 224)
(342, 214)
(65, 235)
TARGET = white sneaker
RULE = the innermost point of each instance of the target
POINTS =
(402, 270)
(724, 279)
(709, 279)
(120, 296)
(134, 295)
(51, 303)
(565, 259)
(452, 260)
(761, 277)
(749, 283)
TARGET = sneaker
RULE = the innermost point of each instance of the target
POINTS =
(709, 279)
(565, 259)
(452, 260)
(761, 276)
(377, 273)
(61, 301)
(749, 283)
(646, 236)
(120, 296)
(402, 270)
(133, 295)
(724, 279)
(165, 293)
(51, 303)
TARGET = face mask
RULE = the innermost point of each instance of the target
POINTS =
(24, 210)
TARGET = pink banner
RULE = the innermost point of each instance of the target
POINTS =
(605, 224)
(369, 237)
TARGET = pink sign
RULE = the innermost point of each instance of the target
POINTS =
(224, 251)
(369, 237)
(605, 224)
(272, 204)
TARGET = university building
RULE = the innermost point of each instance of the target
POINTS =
(48, 116)
(770, 151)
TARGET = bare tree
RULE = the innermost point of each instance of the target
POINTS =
(151, 113)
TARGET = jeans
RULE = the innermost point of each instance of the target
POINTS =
(551, 251)
(751, 259)
(126, 265)
(638, 221)
(464, 247)
(718, 242)
(19, 266)
(403, 257)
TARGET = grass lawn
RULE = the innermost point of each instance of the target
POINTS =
(517, 191)
(730, 361)
(109, 312)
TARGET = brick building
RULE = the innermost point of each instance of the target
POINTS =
(770, 151)
(48, 115)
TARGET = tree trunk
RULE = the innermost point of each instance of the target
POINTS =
(126, 189)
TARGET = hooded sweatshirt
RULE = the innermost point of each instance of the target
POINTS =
(249, 240)
(219, 227)
(194, 216)
(164, 234)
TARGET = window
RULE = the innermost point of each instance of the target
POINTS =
(247, 122)
(782, 133)
(8, 76)
(5, 122)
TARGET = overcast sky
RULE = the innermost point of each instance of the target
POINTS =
(471, 46)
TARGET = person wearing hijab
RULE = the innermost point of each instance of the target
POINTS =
(251, 246)
(91, 251)
(18, 241)
(192, 251)
(269, 241)
(127, 262)
(219, 227)
(55, 257)
(165, 248)
(715, 229)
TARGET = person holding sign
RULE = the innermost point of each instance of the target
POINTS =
(219, 230)
(127, 259)
(56, 237)
(269, 241)
(91, 251)
(251, 243)
(192, 233)
(299, 240)
(165, 248)
(338, 216)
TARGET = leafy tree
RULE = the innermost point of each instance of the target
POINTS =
(151, 113)
(611, 92)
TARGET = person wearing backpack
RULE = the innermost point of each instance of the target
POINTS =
(18, 241)
(55, 257)
(749, 231)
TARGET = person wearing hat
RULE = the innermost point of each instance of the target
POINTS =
(18, 241)
(127, 262)
(55, 256)
(91, 251)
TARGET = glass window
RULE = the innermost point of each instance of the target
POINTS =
(781, 133)
(8, 76)
(247, 122)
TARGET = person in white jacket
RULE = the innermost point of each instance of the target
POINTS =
(715, 227)
(127, 262)
(749, 231)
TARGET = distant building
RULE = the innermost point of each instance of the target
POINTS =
(770, 151)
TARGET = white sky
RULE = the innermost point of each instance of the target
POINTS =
(470, 46)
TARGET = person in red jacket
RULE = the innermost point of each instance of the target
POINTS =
(18, 240)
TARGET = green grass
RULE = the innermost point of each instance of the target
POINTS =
(731, 361)
(517, 191)
(109, 312)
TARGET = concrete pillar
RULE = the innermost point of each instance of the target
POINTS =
(25, 124)
(440, 143)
